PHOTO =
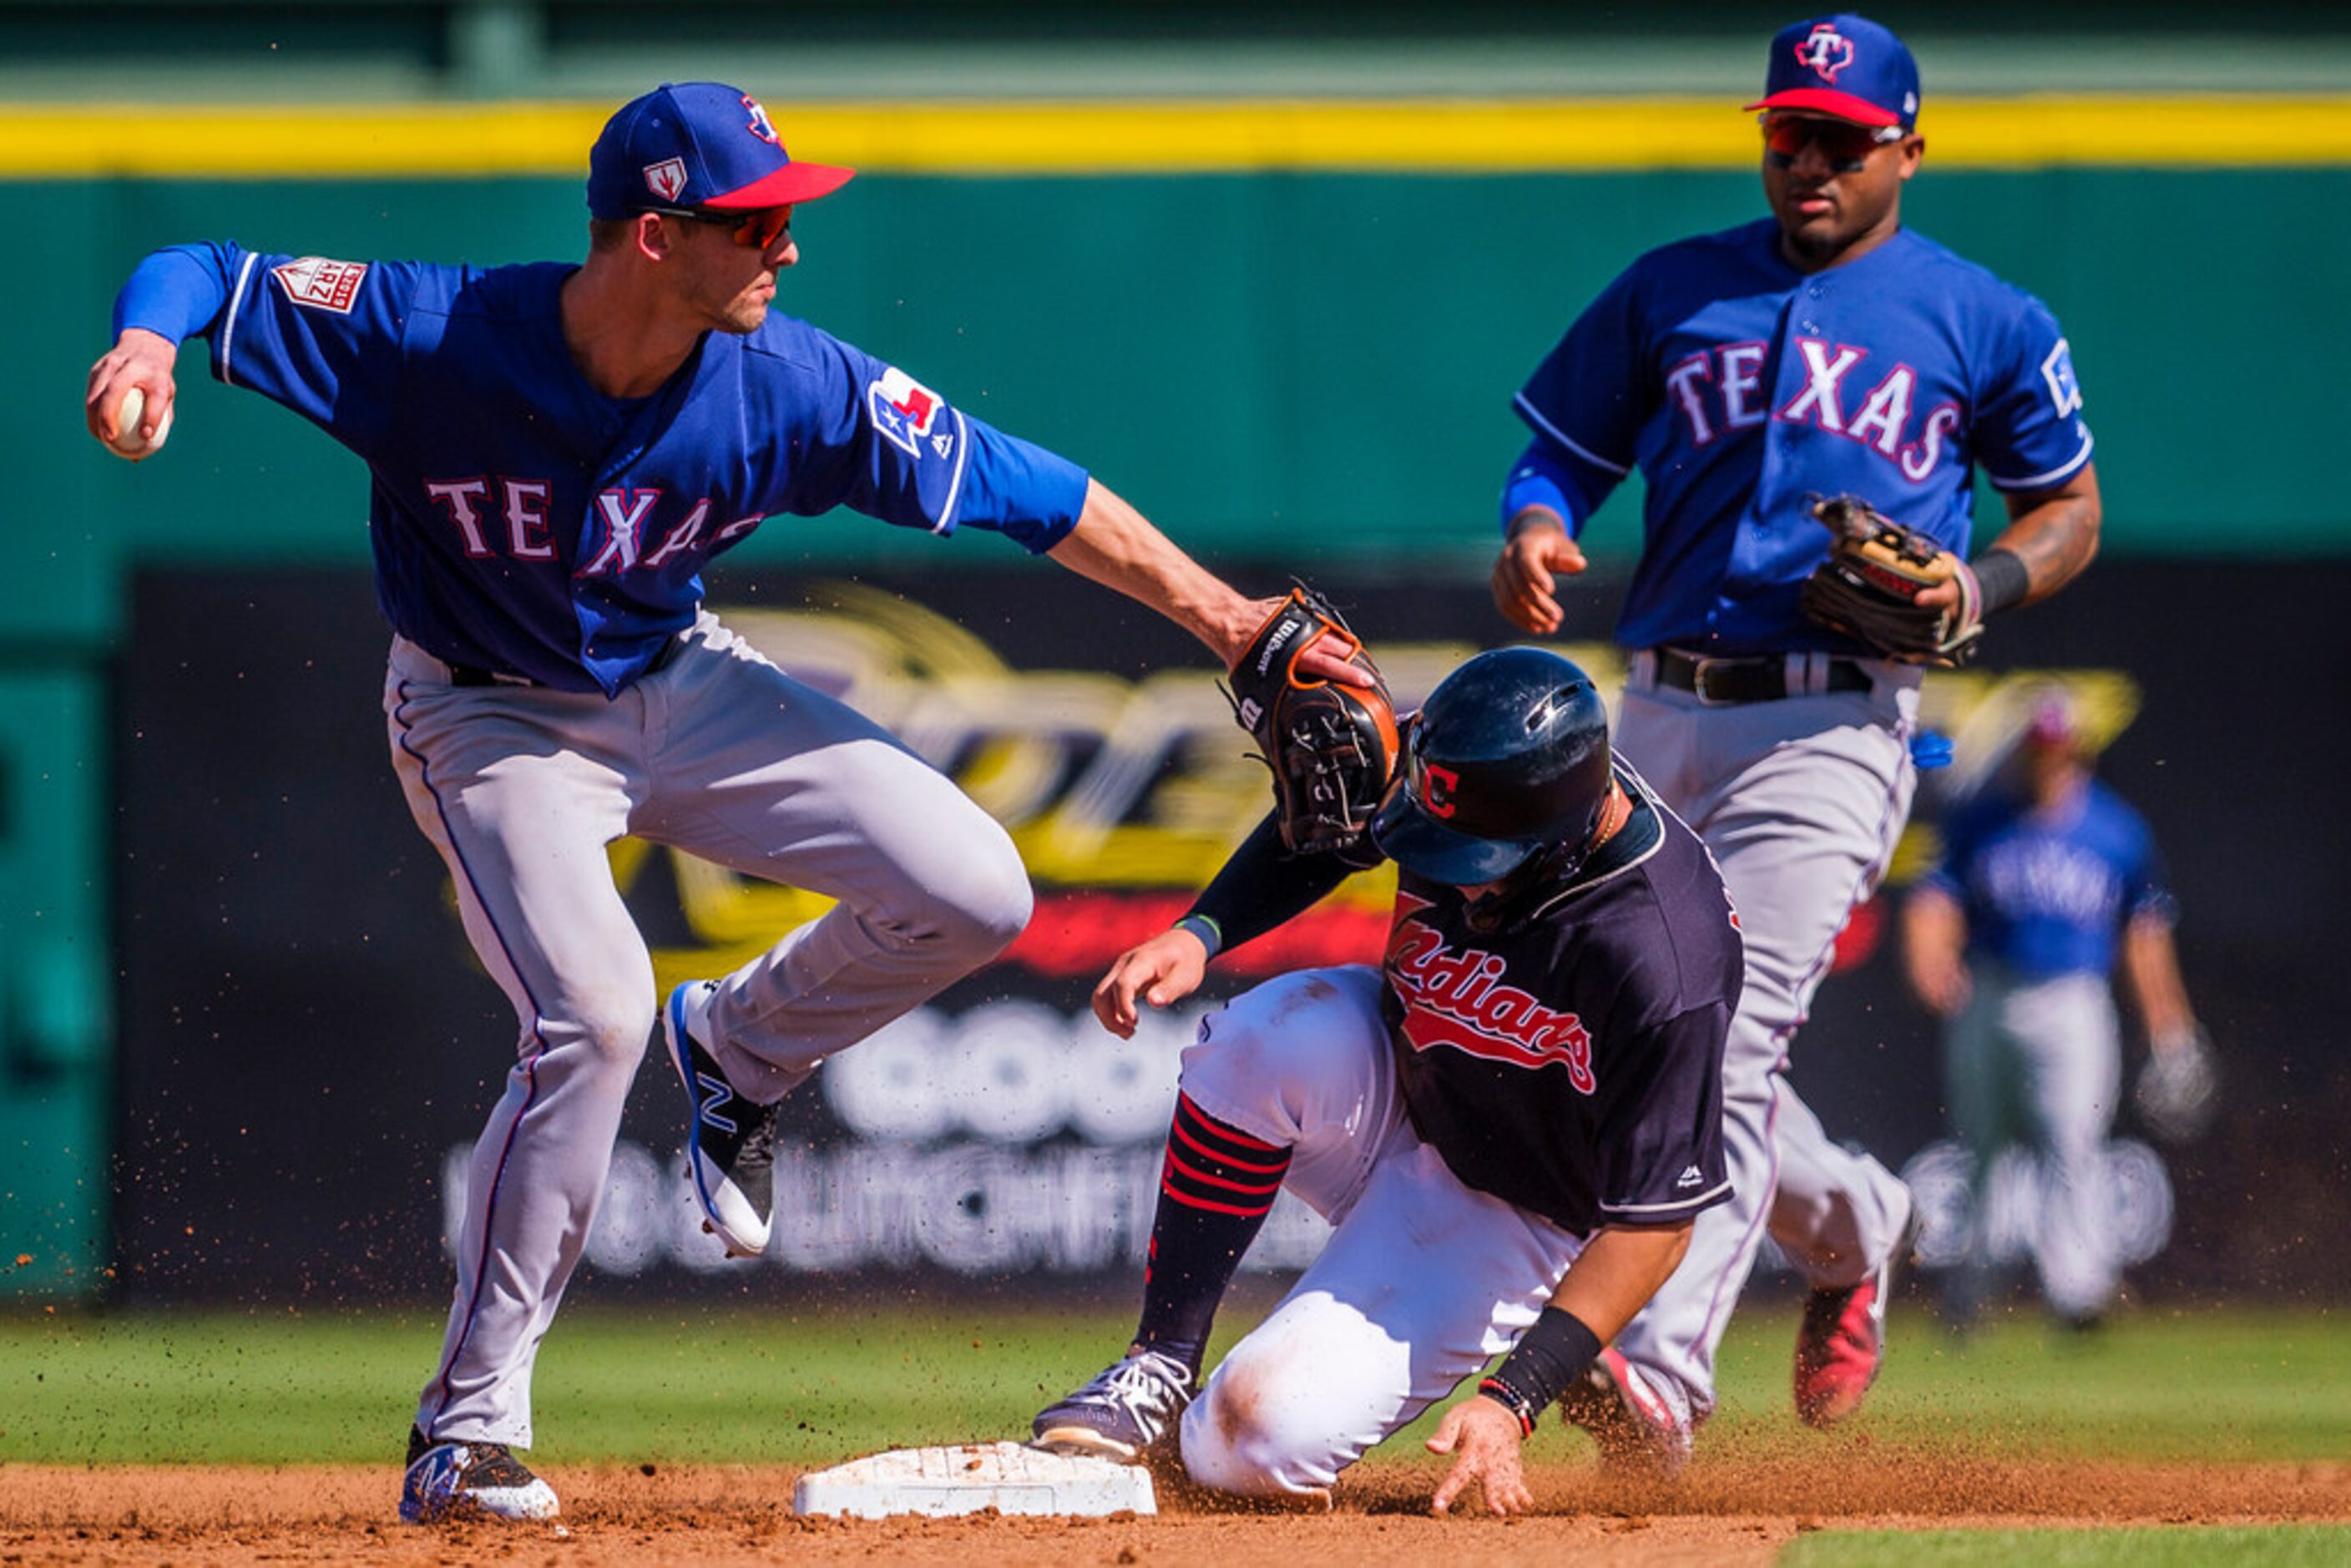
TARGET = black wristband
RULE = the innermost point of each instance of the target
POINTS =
(2002, 579)
(1548, 1358)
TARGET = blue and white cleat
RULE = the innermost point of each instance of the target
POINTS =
(454, 1480)
(730, 1141)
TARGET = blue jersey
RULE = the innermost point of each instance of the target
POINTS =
(2047, 892)
(1741, 388)
(525, 523)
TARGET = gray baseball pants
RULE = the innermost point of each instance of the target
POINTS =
(2036, 1063)
(1799, 801)
(720, 755)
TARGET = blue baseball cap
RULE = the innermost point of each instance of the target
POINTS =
(1844, 66)
(698, 145)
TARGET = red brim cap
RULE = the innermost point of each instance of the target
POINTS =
(792, 183)
(1827, 100)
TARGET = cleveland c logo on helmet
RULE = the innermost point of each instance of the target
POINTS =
(1436, 786)
(1825, 51)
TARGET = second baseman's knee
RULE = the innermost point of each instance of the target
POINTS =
(964, 914)
(988, 912)
(609, 1024)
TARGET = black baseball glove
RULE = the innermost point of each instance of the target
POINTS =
(1868, 587)
(1331, 747)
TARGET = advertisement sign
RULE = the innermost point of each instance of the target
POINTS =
(308, 1048)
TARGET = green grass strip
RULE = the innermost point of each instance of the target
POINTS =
(2186, 1546)
(799, 1382)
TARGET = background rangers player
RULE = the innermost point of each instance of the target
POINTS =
(1825, 350)
(1510, 1123)
(556, 454)
(2049, 880)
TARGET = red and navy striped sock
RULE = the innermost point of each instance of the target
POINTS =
(1215, 1189)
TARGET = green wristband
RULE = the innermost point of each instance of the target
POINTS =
(1211, 936)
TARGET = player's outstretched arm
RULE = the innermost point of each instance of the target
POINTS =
(140, 360)
(1526, 575)
(1162, 972)
(1119, 547)
(1261, 885)
(1612, 1279)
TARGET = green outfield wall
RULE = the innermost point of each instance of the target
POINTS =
(1278, 365)
(1290, 333)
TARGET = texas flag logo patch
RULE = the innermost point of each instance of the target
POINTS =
(321, 284)
(903, 410)
(2057, 371)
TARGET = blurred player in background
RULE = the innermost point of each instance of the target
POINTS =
(2048, 882)
(1511, 1124)
(557, 453)
(1822, 351)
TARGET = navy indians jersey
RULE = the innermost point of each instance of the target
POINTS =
(2046, 892)
(1571, 1062)
(525, 523)
(1741, 388)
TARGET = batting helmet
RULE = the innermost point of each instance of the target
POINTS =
(1508, 757)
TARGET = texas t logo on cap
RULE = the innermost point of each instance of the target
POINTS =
(1844, 66)
(1825, 50)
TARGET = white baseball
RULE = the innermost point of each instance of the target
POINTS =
(128, 443)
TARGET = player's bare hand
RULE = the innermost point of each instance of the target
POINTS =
(139, 358)
(1484, 1440)
(1527, 572)
(1162, 972)
(1944, 595)
(1329, 657)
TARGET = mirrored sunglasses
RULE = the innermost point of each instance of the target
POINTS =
(753, 231)
(1845, 145)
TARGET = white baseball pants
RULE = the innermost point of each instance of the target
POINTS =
(1423, 1280)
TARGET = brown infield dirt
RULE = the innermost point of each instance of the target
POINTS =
(1732, 1512)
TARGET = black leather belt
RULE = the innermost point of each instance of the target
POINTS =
(1760, 679)
(474, 675)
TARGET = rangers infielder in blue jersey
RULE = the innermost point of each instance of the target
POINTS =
(1824, 349)
(2049, 883)
(557, 453)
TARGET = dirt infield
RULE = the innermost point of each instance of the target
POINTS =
(1739, 1512)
